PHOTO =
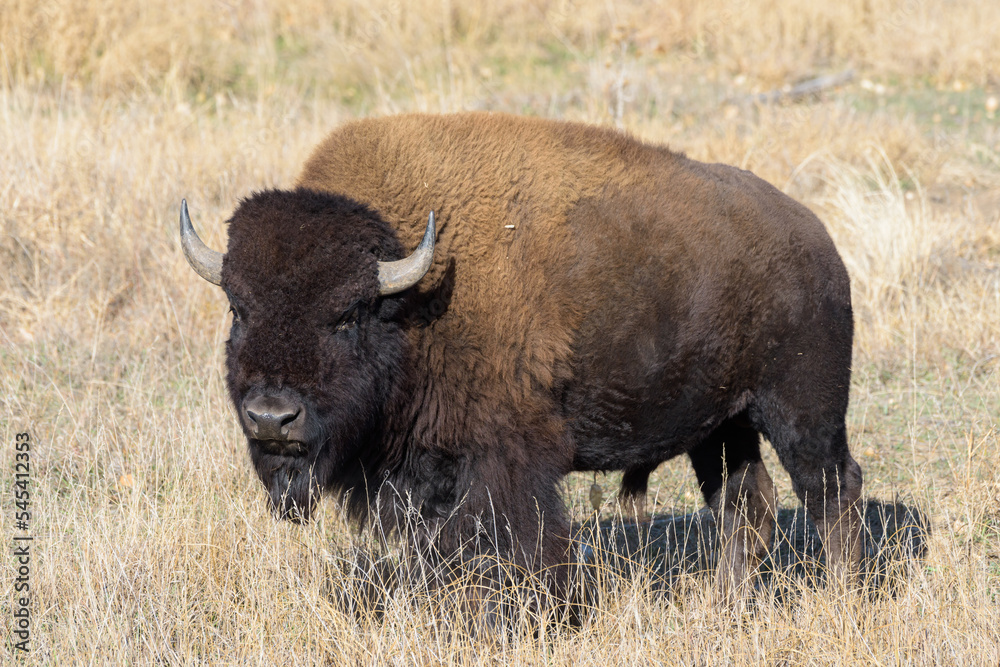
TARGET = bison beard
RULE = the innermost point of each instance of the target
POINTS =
(293, 480)
(593, 303)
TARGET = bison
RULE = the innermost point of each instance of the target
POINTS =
(578, 300)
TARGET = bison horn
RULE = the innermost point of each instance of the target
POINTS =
(397, 276)
(206, 262)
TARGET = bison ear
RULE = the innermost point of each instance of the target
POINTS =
(206, 262)
(397, 276)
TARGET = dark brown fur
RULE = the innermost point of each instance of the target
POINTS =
(595, 303)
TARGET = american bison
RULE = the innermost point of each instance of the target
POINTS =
(578, 300)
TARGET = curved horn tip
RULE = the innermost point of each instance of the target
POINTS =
(206, 262)
(394, 277)
(429, 233)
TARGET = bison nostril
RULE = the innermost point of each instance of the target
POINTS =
(287, 419)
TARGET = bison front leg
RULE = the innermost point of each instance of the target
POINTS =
(741, 495)
(512, 574)
(503, 554)
(632, 493)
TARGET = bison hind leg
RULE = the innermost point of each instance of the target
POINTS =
(828, 480)
(738, 489)
(801, 407)
(745, 510)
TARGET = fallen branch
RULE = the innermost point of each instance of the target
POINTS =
(791, 93)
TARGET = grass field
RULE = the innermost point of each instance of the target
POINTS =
(152, 541)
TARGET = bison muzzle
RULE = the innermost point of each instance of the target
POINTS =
(586, 301)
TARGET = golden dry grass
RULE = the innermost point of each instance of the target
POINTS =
(153, 542)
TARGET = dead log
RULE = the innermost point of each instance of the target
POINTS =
(798, 91)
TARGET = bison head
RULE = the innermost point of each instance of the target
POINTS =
(317, 342)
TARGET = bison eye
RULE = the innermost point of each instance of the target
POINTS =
(348, 320)
(234, 308)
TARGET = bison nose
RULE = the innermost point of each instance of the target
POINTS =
(273, 418)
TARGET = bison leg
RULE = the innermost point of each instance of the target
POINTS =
(801, 409)
(829, 483)
(632, 493)
(838, 520)
(510, 550)
(741, 495)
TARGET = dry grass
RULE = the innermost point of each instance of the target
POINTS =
(152, 538)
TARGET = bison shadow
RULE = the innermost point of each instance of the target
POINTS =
(617, 552)
(667, 546)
